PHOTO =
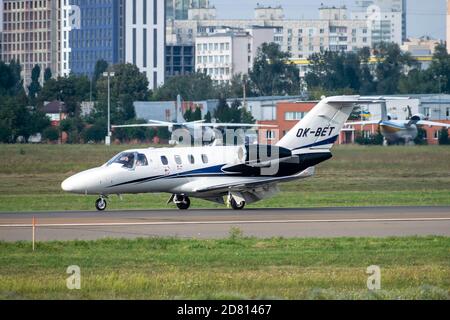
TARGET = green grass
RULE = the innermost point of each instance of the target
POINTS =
(357, 176)
(235, 267)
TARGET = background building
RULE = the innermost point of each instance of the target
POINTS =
(386, 7)
(180, 59)
(92, 30)
(448, 25)
(386, 19)
(145, 38)
(229, 52)
(31, 35)
(333, 31)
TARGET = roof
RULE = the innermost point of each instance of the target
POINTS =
(54, 107)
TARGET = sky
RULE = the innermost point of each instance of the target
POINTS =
(424, 17)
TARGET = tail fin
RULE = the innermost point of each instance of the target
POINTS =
(179, 111)
(320, 128)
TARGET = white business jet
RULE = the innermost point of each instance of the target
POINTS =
(243, 174)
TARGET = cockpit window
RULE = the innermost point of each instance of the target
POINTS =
(126, 159)
(141, 160)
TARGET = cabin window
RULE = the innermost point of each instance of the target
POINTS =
(191, 159)
(164, 160)
(141, 160)
(204, 158)
(178, 160)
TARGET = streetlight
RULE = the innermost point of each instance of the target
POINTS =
(108, 135)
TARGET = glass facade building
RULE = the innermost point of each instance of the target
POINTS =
(100, 35)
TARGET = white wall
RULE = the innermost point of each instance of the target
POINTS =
(150, 28)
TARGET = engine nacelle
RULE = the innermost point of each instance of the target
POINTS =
(418, 117)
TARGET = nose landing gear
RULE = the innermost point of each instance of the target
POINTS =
(183, 202)
(100, 204)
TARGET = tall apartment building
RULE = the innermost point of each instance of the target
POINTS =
(145, 38)
(448, 25)
(91, 30)
(31, 35)
(178, 9)
(229, 52)
(300, 37)
(386, 19)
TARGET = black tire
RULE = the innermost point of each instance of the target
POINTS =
(100, 204)
(237, 206)
(185, 204)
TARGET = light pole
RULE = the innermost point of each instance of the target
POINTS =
(108, 135)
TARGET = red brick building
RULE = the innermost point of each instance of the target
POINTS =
(289, 113)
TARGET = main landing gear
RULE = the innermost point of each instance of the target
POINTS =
(183, 202)
(236, 201)
(100, 204)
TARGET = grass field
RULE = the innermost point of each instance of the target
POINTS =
(357, 176)
(231, 268)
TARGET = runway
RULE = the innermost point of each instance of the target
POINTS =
(308, 222)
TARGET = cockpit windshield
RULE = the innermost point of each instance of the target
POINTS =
(126, 159)
(129, 160)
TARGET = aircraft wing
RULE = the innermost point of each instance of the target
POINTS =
(433, 124)
(235, 125)
(362, 122)
(151, 125)
(252, 182)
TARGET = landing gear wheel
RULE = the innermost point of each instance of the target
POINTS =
(184, 204)
(100, 204)
(237, 206)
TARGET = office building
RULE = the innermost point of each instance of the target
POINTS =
(229, 52)
(386, 19)
(91, 31)
(300, 37)
(448, 25)
(180, 59)
(145, 38)
(31, 35)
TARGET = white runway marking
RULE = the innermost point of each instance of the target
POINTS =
(169, 223)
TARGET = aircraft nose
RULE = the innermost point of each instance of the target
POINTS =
(68, 185)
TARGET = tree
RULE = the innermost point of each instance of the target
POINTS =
(443, 137)
(391, 64)
(127, 85)
(47, 74)
(35, 86)
(11, 82)
(193, 87)
(100, 67)
(50, 134)
(222, 112)
(208, 117)
(272, 74)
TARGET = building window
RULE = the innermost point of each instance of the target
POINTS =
(134, 11)
(134, 46)
(155, 11)
(144, 63)
(155, 47)
(144, 11)
(270, 134)
(294, 116)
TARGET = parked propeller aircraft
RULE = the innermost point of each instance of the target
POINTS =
(243, 174)
(398, 131)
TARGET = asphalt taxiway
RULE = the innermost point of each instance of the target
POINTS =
(307, 222)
